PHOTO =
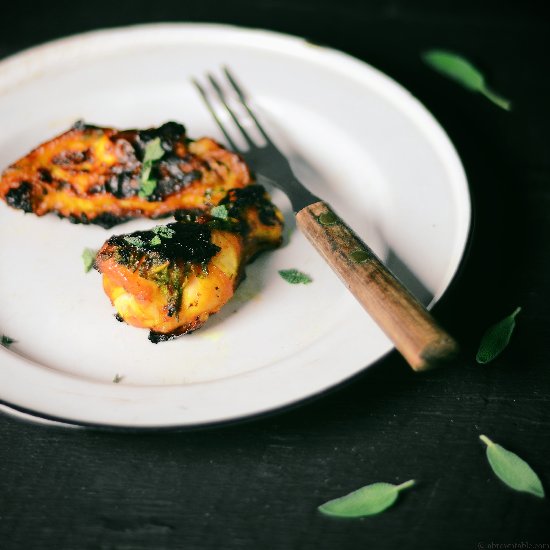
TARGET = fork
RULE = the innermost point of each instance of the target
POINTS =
(412, 329)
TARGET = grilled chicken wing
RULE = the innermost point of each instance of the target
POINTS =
(171, 279)
(94, 175)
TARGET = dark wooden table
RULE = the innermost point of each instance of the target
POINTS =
(258, 484)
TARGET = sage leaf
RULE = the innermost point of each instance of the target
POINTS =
(147, 188)
(219, 212)
(88, 258)
(153, 152)
(460, 70)
(367, 501)
(295, 277)
(6, 341)
(512, 469)
(134, 241)
(496, 338)
(164, 231)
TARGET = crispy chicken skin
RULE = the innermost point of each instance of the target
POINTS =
(171, 279)
(91, 174)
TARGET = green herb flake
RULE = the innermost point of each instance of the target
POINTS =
(219, 212)
(88, 258)
(134, 241)
(153, 152)
(117, 378)
(6, 341)
(512, 469)
(155, 241)
(295, 277)
(460, 70)
(366, 501)
(359, 256)
(496, 338)
(328, 218)
(147, 188)
(164, 231)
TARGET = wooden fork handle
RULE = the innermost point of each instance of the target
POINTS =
(415, 333)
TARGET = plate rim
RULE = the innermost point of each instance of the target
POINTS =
(415, 108)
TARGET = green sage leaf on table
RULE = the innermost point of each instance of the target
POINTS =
(512, 469)
(367, 501)
(6, 341)
(460, 70)
(88, 257)
(295, 277)
(496, 338)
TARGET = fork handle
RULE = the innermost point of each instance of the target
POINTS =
(415, 333)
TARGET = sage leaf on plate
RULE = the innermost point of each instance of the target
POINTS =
(496, 338)
(367, 501)
(88, 257)
(6, 341)
(460, 70)
(295, 277)
(512, 469)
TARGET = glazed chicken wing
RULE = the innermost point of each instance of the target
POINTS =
(96, 175)
(172, 278)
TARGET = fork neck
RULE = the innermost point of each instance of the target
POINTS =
(299, 196)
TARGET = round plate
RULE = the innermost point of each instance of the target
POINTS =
(355, 137)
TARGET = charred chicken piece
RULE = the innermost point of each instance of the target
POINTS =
(172, 278)
(96, 175)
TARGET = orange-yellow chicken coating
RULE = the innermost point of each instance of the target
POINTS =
(171, 279)
(91, 174)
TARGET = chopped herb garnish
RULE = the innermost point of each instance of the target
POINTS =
(219, 212)
(496, 338)
(155, 241)
(512, 469)
(147, 188)
(295, 277)
(366, 501)
(462, 71)
(88, 257)
(6, 341)
(135, 241)
(153, 152)
(164, 231)
(117, 378)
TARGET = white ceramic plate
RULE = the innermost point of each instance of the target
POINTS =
(354, 136)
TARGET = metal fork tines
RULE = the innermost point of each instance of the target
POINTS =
(262, 155)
